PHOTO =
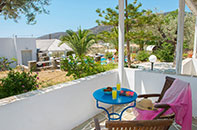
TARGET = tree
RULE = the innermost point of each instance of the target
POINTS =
(127, 40)
(142, 37)
(135, 19)
(79, 41)
(165, 28)
(110, 37)
(12, 9)
(165, 53)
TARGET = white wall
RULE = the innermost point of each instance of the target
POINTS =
(26, 44)
(150, 82)
(63, 108)
(8, 50)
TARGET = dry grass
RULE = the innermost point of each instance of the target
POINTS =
(52, 77)
(48, 77)
(3, 74)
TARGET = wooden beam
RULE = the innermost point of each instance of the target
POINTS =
(127, 40)
(121, 41)
(180, 36)
(192, 6)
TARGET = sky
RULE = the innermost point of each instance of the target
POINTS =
(72, 14)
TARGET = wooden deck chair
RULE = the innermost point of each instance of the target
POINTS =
(165, 107)
(139, 125)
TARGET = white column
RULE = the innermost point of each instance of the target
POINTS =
(179, 47)
(121, 41)
(195, 41)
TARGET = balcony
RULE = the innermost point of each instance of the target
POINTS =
(67, 106)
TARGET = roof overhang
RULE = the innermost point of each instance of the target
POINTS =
(192, 4)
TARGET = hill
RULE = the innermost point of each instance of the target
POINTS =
(57, 35)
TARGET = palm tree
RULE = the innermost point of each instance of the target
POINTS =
(79, 41)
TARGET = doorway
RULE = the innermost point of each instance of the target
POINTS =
(26, 56)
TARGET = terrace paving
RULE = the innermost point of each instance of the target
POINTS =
(128, 115)
(162, 67)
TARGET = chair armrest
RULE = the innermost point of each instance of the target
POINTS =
(165, 108)
(148, 95)
(162, 106)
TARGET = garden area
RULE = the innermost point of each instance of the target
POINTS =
(14, 81)
(45, 78)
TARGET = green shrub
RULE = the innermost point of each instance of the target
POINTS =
(109, 66)
(185, 55)
(70, 53)
(83, 66)
(165, 53)
(18, 82)
(142, 56)
(133, 55)
(5, 63)
(108, 55)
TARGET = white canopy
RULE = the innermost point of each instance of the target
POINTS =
(111, 50)
(51, 45)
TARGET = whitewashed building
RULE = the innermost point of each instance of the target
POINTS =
(22, 49)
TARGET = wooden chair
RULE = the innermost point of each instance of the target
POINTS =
(167, 85)
(135, 125)
(139, 125)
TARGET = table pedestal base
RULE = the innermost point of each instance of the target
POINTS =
(113, 113)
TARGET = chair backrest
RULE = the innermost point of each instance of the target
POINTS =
(167, 85)
(139, 125)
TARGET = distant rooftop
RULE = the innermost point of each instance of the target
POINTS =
(51, 45)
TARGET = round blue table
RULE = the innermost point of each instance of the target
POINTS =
(106, 98)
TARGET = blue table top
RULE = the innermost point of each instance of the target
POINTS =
(105, 98)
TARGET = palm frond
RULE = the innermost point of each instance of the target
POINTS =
(79, 41)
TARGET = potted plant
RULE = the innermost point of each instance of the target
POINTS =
(190, 54)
